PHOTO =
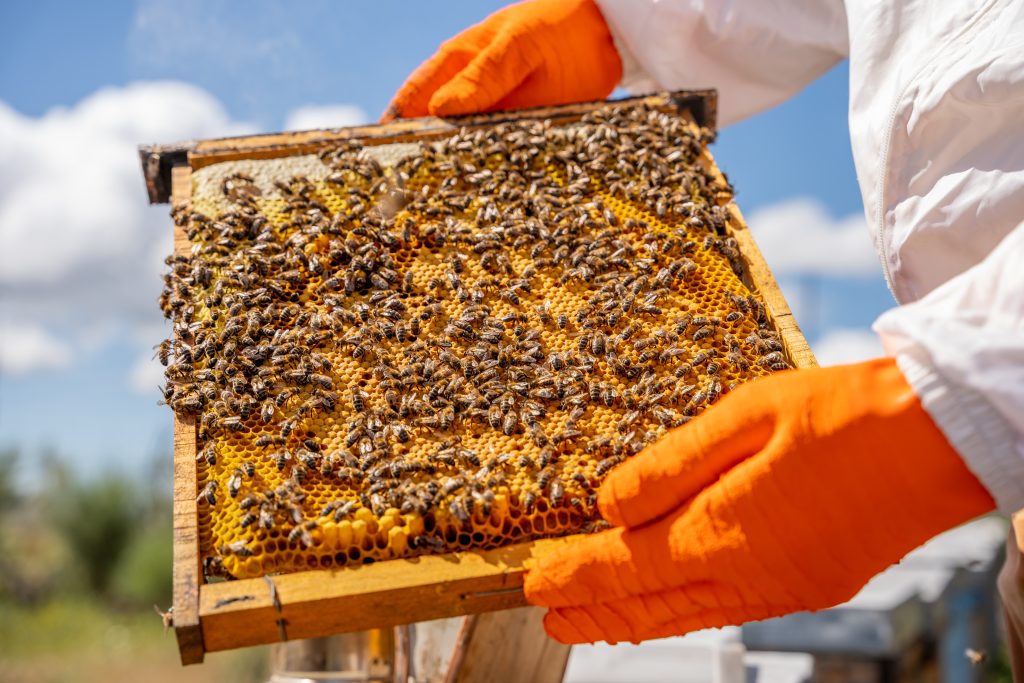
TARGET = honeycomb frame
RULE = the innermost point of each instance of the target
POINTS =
(502, 565)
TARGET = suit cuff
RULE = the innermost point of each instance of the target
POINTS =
(974, 428)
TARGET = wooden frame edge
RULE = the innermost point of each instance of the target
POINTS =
(187, 569)
(797, 348)
(159, 161)
(318, 602)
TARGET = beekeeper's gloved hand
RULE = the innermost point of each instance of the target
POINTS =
(539, 52)
(787, 496)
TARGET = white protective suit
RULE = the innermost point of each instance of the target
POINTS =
(937, 127)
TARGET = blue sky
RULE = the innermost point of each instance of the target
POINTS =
(91, 80)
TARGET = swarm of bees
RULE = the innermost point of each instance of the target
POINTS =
(454, 350)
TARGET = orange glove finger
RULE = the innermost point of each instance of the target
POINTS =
(619, 563)
(488, 78)
(616, 622)
(412, 98)
(686, 460)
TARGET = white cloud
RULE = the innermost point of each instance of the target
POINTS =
(81, 250)
(314, 116)
(28, 348)
(799, 237)
(840, 346)
(77, 236)
(146, 374)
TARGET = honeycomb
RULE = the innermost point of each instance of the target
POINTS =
(425, 347)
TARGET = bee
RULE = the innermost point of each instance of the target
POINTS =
(321, 380)
(562, 321)
(695, 401)
(288, 426)
(543, 314)
(557, 492)
(628, 419)
(239, 548)
(537, 434)
(163, 351)
(267, 520)
(494, 417)
(510, 423)
(209, 493)
(359, 400)
(249, 501)
(232, 422)
(401, 431)
(606, 465)
(736, 358)
(567, 434)
(209, 454)
(345, 509)
(281, 459)
(703, 333)
(248, 520)
(235, 483)
(308, 458)
(300, 534)
(457, 507)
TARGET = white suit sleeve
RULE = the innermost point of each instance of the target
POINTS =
(962, 349)
(757, 53)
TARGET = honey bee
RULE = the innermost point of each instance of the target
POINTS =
(345, 509)
(607, 464)
(457, 507)
(209, 493)
(209, 454)
(359, 400)
(267, 520)
(557, 492)
(239, 548)
(281, 459)
(288, 426)
(300, 533)
(235, 482)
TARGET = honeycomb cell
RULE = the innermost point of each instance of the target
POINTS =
(453, 348)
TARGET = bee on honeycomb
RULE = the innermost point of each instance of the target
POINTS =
(450, 349)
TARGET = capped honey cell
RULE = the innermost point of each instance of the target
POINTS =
(421, 348)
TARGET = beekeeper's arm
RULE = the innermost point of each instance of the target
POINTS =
(757, 53)
(794, 490)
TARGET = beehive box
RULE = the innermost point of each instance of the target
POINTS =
(442, 336)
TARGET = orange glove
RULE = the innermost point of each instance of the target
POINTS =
(539, 52)
(787, 496)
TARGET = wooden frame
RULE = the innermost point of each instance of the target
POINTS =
(221, 616)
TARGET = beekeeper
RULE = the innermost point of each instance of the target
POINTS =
(798, 488)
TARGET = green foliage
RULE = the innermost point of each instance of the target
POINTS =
(97, 521)
(143, 576)
(8, 491)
